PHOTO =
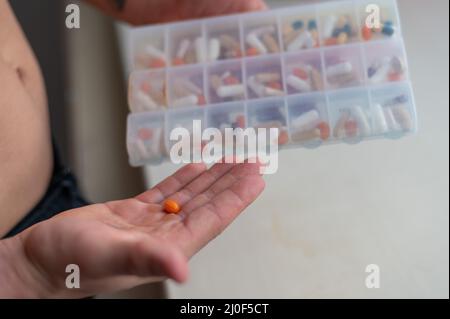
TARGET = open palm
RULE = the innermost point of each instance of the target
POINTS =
(125, 243)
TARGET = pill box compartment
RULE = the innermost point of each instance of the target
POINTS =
(187, 43)
(149, 48)
(385, 61)
(393, 110)
(343, 67)
(223, 116)
(388, 25)
(261, 34)
(185, 118)
(223, 39)
(225, 82)
(269, 113)
(299, 28)
(308, 119)
(350, 115)
(264, 77)
(186, 86)
(147, 90)
(303, 72)
(338, 24)
(145, 138)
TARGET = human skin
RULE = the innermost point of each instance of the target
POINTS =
(121, 244)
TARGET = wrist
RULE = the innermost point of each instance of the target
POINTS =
(19, 278)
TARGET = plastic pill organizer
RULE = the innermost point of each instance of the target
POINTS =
(320, 73)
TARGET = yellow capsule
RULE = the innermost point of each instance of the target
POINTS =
(171, 207)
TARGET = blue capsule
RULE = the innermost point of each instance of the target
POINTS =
(312, 25)
(297, 25)
(388, 28)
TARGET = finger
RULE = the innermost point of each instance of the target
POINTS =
(201, 183)
(209, 220)
(150, 258)
(226, 181)
(208, 8)
(172, 183)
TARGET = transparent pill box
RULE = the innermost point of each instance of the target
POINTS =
(327, 73)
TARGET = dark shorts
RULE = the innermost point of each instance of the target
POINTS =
(62, 194)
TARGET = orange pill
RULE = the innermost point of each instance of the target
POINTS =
(324, 130)
(157, 63)
(252, 51)
(171, 206)
(351, 128)
(366, 33)
(178, 61)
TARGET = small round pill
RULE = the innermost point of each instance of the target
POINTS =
(171, 207)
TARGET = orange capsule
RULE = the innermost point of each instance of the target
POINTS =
(171, 207)
(283, 138)
(201, 100)
(252, 51)
(331, 41)
(366, 33)
(178, 61)
(157, 63)
(275, 85)
(231, 80)
(324, 130)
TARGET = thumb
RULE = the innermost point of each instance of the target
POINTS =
(153, 258)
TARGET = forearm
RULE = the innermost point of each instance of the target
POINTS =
(18, 278)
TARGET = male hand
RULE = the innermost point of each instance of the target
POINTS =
(121, 244)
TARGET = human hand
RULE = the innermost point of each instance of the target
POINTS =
(154, 11)
(121, 244)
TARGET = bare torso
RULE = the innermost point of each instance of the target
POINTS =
(25, 144)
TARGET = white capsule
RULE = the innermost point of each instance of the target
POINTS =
(403, 117)
(328, 26)
(390, 119)
(155, 145)
(361, 119)
(155, 53)
(298, 84)
(380, 125)
(143, 102)
(214, 49)
(200, 49)
(256, 87)
(255, 42)
(141, 150)
(382, 71)
(192, 87)
(262, 30)
(307, 121)
(190, 100)
(303, 40)
(225, 91)
(183, 48)
(340, 69)
(268, 91)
